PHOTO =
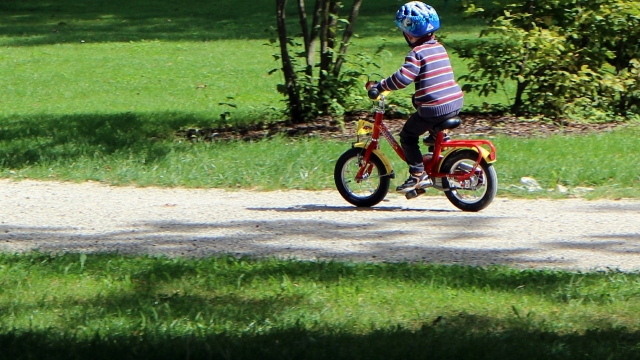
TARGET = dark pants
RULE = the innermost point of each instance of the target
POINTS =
(415, 127)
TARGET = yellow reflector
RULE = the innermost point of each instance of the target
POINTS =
(364, 127)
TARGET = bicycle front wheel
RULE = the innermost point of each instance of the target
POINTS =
(373, 186)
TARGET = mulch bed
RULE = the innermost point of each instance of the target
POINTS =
(472, 125)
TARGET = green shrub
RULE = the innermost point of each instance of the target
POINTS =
(572, 58)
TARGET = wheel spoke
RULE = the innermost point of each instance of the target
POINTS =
(476, 192)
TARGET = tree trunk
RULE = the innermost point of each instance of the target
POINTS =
(310, 38)
(518, 102)
(302, 14)
(531, 6)
(324, 35)
(622, 62)
(313, 37)
(295, 105)
(522, 86)
(328, 34)
(327, 38)
(346, 37)
(331, 32)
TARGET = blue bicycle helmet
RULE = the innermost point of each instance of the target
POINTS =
(417, 19)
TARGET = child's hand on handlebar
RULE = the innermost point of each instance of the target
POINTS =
(372, 90)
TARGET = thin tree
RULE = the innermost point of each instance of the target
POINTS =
(323, 29)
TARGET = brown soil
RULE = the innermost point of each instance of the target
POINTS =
(472, 125)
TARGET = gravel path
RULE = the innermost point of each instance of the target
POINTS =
(571, 234)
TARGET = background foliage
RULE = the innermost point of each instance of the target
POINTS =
(572, 58)
(102, 91)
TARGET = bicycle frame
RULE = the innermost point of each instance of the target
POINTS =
(441, 149)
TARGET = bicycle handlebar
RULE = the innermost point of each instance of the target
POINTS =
(372, 91)
(374, 94)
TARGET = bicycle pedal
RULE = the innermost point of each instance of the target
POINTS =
(414, 193)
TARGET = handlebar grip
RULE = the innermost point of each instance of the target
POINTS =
(373, 93)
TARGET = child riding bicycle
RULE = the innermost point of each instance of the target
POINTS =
(437, 96)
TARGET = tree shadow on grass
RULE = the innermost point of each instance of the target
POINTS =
(151, 277)
(472, 338)
(37, 22)
(437, 336)
(34, 139)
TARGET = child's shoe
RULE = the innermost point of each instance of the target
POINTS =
(414, 181)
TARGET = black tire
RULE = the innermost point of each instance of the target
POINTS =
(482, 187)
(367, 192)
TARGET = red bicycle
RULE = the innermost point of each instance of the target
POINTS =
(463, 169)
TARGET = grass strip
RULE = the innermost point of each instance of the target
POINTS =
(74, 306)
(114, 152)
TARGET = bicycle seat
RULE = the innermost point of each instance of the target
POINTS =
(450, 123)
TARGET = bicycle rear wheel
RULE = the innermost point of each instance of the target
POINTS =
(476, 193)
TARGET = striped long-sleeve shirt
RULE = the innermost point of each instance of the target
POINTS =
(436, 90)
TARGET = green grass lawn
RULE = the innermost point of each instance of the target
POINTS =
(123, 150)
(63, 57)
(109, 306)
(97, 90)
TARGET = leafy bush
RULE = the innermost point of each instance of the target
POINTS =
(575, 58)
